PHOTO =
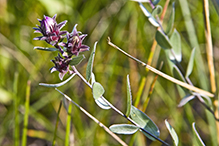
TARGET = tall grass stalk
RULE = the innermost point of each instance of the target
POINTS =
(57, 123)
(16, 113)
(209, 51)
(26, 115)
(68, 125)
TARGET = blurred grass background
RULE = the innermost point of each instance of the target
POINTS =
(128, 28)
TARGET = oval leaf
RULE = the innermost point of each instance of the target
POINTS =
(129, 97)
(59, 84)
(90, 63)
(142, 1)
(176, 46)
(185, 100)
(171, 20)
(97, 90)
(162, 40)
(172, 133)
(76, 60)
(46, 48)
(102, 104)
(199, 140)
(144, 122)
(124, 128)
(191, 63)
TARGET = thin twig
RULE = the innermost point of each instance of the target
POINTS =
(190, 87)
(94, 119)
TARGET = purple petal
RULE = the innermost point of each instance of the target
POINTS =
(74, 31)
(82, 36)
(54, 17)
(62, 24)
(61, 75)
(62, 32)
(39, 38)
(37, 31)
(53, 69)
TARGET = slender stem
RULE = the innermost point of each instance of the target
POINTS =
(27, 105)
(117, 110)
(94, 119)
(190, 87)
(209, 47)
(57, 122)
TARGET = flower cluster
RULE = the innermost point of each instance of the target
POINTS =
(52, 34)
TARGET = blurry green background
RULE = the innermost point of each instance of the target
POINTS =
(126, 25)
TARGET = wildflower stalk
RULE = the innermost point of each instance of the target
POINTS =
(183, 84)
(117, 110)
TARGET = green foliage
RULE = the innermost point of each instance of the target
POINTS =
(97, 90)
(162, 40)
(90, 62)
(129, 97)
(76, 60)
(144, 122)
(124, 128)
(172, 133)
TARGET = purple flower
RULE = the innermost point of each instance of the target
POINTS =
(50, 30)
(61, 65)
(74, 42)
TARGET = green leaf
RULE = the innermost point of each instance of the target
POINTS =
(155, 2)
(148, 14)
(191, 63)
(171, 20)
(76, 60)
(46, 48)
(129, 97)
(185, 100)
(162, 40)
(59, 84)
(144, 122)
(123, 128)
(102, 104)
(142, 1)
(97, 90)
(199, 140)
(172, 133)
(175, 41)
(157, 10)
(90, 63)
(92, 78)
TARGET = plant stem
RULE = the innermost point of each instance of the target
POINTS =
(24, 135)
(190, 87)
(57, 122)
(93, 118)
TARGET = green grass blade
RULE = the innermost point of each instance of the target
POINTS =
(24, 135)
(16, 104)
(57, 123)
(68, 126)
